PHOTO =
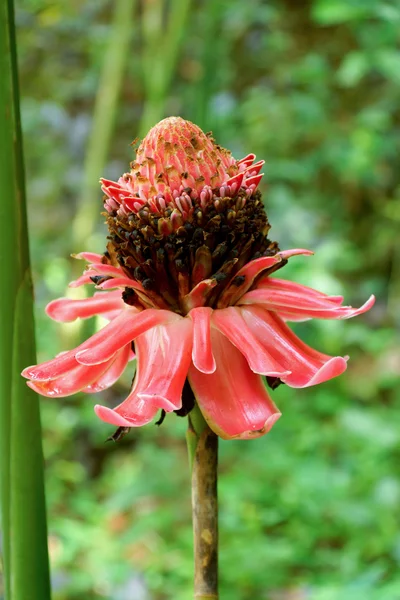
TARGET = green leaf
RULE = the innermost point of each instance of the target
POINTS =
(23, 514)
(332, 12)
(353, 68)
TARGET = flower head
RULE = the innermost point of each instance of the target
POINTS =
(186, 286)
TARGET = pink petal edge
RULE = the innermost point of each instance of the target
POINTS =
(233, 399)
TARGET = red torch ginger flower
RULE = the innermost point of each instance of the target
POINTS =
(186, 283)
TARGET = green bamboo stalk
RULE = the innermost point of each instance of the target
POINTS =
(202, 446)
(23, 513)
(114, 66)
(202, 93)
(162, 42)
(115, 61)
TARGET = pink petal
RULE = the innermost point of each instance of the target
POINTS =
(107, 270)
(90, 257)
(236, 180)
(202, 355)
(112, 314)
(230, 322)
(247, 160)
(285, 254)
(198, 296)
(142, 412)
(68, 309)
(83, 279)
(163, 358)
(307, 366)
(233, 399)
(119, 332)
(102, 345)
(292, 318)
(51, 369)
(285, 285)
(117, 282)
(254, 180)
(302, 304)
(71, 382)
(113, 372)
(249, 273)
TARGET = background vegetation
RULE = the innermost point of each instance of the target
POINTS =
(311, 510)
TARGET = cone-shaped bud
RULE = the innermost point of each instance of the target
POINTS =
(186, 212)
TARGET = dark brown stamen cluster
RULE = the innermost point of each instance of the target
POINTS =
(213, 243)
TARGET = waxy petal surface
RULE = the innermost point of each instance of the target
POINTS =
(230, 322)
(284, 285)
(233, 399)
(163, 358)
(113, 372)
(301, 301)
(101, 346)
(68, 309)
(307, 366)
(202, 354)
(91, 257)
(122, 330)
(71, 382)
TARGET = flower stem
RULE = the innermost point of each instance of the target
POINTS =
(203, 456)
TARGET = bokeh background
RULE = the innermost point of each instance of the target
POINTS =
(309, 512)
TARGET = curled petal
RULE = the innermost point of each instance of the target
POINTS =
(75, 380)
(113, 372)
(68, 309)
(285, 254)
(236, 180)
(141, 413)
(126, 282)
(51, 369)
(120, 282)
(83, 279)
(247, 160)
(119, 332)
(289, 287)
(107, 270)
(300, 301)
(101, 346)
(202, 355)
(292, 318)
(247, 275)
(230, 322)
(163, 358)
(254, 180)
(90, 257)
(199, 295)
(233, 399)
(307, 366)
(244, 279)
(112, 314)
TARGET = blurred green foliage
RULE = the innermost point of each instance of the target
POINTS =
(311, 510)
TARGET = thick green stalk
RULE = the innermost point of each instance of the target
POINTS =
(23, 514)
(203, 456)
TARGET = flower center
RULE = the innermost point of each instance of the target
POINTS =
(170, 256)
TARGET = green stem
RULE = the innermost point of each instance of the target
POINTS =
(23, 511)
(203, 455)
